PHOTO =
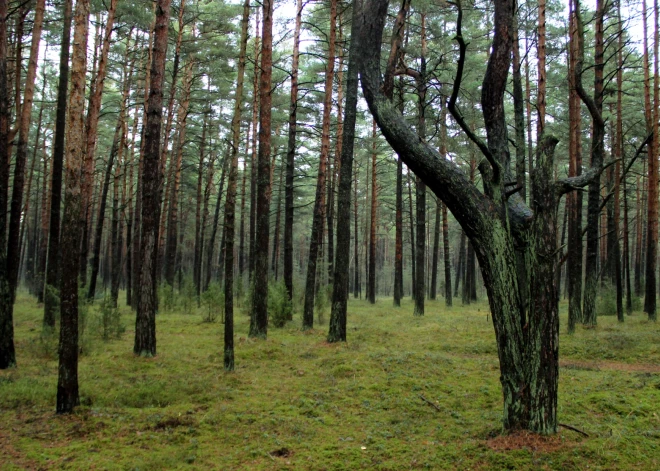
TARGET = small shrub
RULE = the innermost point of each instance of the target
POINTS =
(187, 295)
(213, 302)
(45, 345)
(110, 320)
(167, 298)
(84, 339)
(322, 303)
(606, 302)
(280, 309)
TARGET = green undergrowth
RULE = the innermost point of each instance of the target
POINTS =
(403, 393)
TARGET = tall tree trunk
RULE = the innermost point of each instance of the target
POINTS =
(43, 236)
(290, 156)
(574, 251)
(259, 315)
(274, 267)
(317, 222)
(371, 289)
(7, 349)
(356, 246)
(165, 152)
(91, 130)
(52, 267)
(145, 323)
(73, 218)
(340, 292)
(117, 151)
(253, 154)
(171, 239)
(230, 203)
(116, 228)
(436, 248)
(413, 258)
(595, 106)
(24, 118)
(652, 206)
(226, 162)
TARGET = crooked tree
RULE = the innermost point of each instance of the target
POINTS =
(494, 219)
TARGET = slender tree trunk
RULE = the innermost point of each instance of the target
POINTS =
(371, 290)
(259, 315)
(24, 119)
(165, 152)
(278, 222)
(175, 177)
(317, 222)
(199, 242)
(413, 258)
(7, 349)
(595, 106)
(356, 246)
(290, 156)
(652, 207)
(340, 292)
(52, 267)
(230, 203)
(145, 323)
(574, 251)
(253, 155)
(73, 218)
(91, 129)
(436, 248)
(226, 162)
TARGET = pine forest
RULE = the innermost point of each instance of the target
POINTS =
(329, 234)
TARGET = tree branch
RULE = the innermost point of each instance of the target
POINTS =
(451, 105)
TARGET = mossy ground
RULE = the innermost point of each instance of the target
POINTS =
(403, 393)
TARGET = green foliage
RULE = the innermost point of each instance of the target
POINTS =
(187, 295)
(166, 298)
(347, 406)
(85, 343)
(606, 301)
(322, 303)
(109, 318)
(213, 303)
(280, 308)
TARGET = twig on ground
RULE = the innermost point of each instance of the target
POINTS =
(570, 427)
(430, 403)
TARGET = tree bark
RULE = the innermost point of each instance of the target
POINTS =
(91, 129)
(317, 221)
(652, 207)
(595, 106)
(259, 315)
(340, 292)
(230, 203)
(24, 119)
(145, 322)
(371, 290)
(7, 349)
(527, 344)
(73, 218)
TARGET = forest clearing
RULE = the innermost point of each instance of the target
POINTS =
(403, 392)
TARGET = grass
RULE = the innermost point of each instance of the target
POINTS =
(402, 393)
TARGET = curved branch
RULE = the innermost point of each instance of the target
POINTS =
(471, 208)
(451, 105)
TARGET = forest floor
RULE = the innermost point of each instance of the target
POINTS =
(403, 393)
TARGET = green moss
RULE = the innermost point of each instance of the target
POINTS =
(359, 405)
